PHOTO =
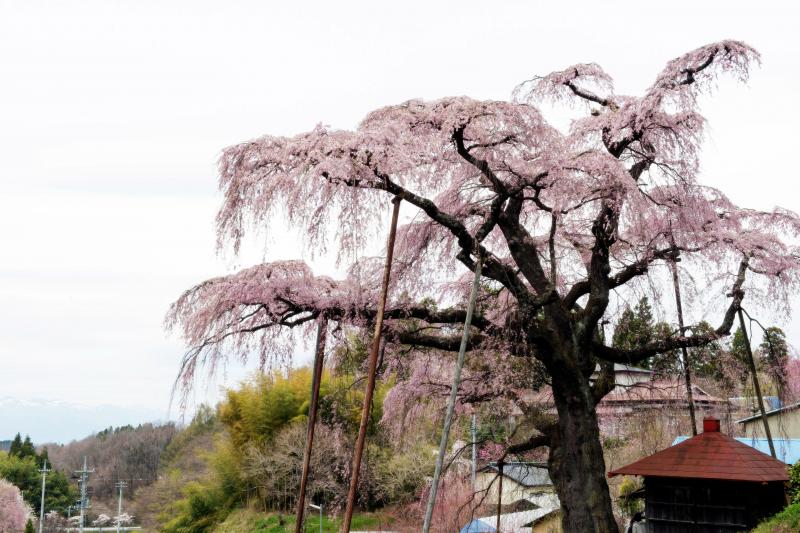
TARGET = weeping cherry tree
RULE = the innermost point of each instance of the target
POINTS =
(561, 222)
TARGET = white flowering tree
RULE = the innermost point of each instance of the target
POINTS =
(124, 519)
(101, 520)
(14, 512)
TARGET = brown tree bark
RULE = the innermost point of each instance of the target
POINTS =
(577, 466)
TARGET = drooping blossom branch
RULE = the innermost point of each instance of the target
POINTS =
(492, 176)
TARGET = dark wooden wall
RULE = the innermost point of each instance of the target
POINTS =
(676, 505)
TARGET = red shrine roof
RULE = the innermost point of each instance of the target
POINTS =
(709, 455)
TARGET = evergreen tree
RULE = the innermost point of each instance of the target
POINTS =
(16, 446)
(635, 326)
(739, 352)
(43, 456)
(739, 346)
(29, 527)
(27, 449)
(667, 363)
(24, 473)
(622, 331)
(635, 329)
(773, 356)
(705, 360)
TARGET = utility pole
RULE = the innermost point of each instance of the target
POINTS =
(451, 401)
(83, 479)
(120, 485)
(44, 472)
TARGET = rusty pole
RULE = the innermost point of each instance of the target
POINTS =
(319, 357)
(757, 385)
(372, 364)
(687, 371)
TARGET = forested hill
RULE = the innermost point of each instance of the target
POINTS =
(5, 445)
(126, 453)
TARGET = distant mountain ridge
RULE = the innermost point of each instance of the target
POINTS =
(63, 422)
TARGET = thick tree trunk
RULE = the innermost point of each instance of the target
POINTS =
(576, 462)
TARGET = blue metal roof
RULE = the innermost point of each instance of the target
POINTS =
(476, 526)
(787, 450)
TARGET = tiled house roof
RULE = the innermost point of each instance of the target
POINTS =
(709, 455)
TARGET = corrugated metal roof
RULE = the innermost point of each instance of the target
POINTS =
(514, 521)
(770, 413)
(526, 474)
(709, 455)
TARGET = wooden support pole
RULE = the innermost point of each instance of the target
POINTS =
(451, 401)
(372, 364)
(757, 385)
(319, 356)
(687, 371)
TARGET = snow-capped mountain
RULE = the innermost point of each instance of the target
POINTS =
(62, 422)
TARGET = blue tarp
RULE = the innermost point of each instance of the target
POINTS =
(476, 526)
(787, 450)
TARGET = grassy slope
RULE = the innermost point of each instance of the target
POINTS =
(249, 521)
(787, 521)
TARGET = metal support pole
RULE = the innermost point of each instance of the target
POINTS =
(371, 370)
(319, 356)
(44, 471)
(687, 371)
(757, 385)
(451, 402)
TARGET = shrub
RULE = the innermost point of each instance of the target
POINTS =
(787, 521)
(629, 506)
(794, 483)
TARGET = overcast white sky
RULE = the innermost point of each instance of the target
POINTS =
(112, 115)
